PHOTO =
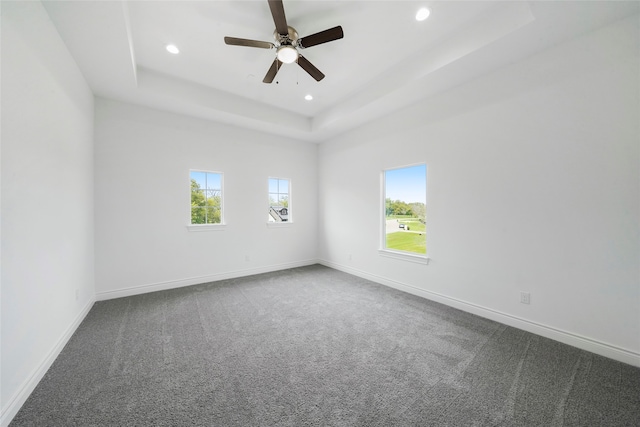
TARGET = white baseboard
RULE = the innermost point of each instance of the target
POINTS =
(584, 343)
(27, 387)
(173, 284)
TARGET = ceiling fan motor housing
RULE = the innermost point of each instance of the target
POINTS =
(290, 39)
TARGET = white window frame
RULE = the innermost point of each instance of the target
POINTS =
(289, 220)
(393, 253)
(207, 227)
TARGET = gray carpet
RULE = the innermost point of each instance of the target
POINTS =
(314, 346)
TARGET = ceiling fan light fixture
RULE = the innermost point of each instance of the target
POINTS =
(287, 54)
(423, 14)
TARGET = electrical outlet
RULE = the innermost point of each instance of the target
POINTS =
(525, 297)
(247, 258)
(77, 294)
(350, 257)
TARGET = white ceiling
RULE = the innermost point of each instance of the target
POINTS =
(386, 60)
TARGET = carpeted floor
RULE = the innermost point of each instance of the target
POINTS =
(314, 346)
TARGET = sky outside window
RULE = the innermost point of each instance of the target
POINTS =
(407, 184)
(207, 180)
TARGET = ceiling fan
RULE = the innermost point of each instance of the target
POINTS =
(288, 43)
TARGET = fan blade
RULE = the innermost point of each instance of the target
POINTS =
(248, 43)
(271, 74)
(310, 68)
(277, 11)
(325, 36)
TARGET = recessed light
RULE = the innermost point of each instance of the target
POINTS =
(308, 97)
(171, 48)
(423, 14)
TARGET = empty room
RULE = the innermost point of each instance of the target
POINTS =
(327, 213)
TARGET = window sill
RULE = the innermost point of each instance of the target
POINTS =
(279, 224)
(206, 227)
(404, 256)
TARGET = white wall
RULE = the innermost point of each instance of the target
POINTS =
(143, 158)
(47, 199)
(532, 186)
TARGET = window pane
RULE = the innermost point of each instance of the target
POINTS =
(214, 181)
(197, 215)
(405, 209)
(197, 197)
(212, 193)
(273, 185)
(200, 178)
(213, 215)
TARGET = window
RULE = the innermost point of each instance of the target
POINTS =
(405, 210)
(279, 200)
(206, 197)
